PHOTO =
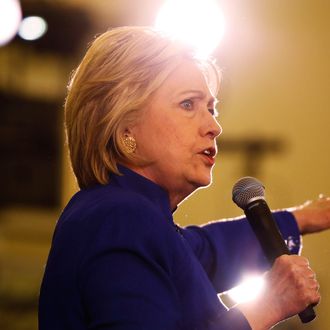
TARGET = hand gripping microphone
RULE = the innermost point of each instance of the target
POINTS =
(249, 195)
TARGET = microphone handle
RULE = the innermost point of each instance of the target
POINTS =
(272, 243)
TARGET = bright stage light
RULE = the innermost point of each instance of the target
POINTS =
(32, 28)
(10, 18)
(248, 290)
(198, 22)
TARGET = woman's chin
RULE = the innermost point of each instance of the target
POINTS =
(203, 181)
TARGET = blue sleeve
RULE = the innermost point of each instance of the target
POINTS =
(124, 283)
(229, 249)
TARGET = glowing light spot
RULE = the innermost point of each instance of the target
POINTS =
(10, 18)
(198, 22)
(32, 28)
(248, 290)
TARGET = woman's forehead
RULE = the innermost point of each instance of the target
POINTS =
(186, 76)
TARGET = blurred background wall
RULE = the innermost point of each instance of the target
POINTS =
(274, 109)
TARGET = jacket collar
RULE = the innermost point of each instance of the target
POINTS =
(135, 182)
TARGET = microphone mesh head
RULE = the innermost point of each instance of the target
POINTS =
(245, 189)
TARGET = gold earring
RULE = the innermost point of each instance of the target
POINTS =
(130, 144)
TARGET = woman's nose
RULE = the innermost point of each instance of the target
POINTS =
(217, 130)
(212, 128)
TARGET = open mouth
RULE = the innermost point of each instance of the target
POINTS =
(209, 155)
(210, 152)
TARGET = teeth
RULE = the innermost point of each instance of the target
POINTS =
(207, 152)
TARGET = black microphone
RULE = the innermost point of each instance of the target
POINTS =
(249, 195)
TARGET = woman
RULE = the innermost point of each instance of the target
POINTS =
(141, 127)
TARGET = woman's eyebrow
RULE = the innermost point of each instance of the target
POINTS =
(200, 94)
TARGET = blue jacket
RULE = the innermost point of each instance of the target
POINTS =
(119, 262)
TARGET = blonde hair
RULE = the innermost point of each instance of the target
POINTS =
(115, 79)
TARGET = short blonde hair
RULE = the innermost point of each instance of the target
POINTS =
(115, 79)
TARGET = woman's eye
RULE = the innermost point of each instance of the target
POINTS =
(213, 112)
(187, 104)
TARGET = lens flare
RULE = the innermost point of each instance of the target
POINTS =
(10, 18)
(32, 28)
(248, 290)
(197, 22)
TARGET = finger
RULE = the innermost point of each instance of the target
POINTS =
(311, 275)
(312, 283)
(300, 260)
(316, 299)
(307, 272)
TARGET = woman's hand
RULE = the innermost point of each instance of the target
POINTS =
(313, 216)
(290, 287)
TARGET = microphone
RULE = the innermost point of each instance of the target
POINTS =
(249, 194)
